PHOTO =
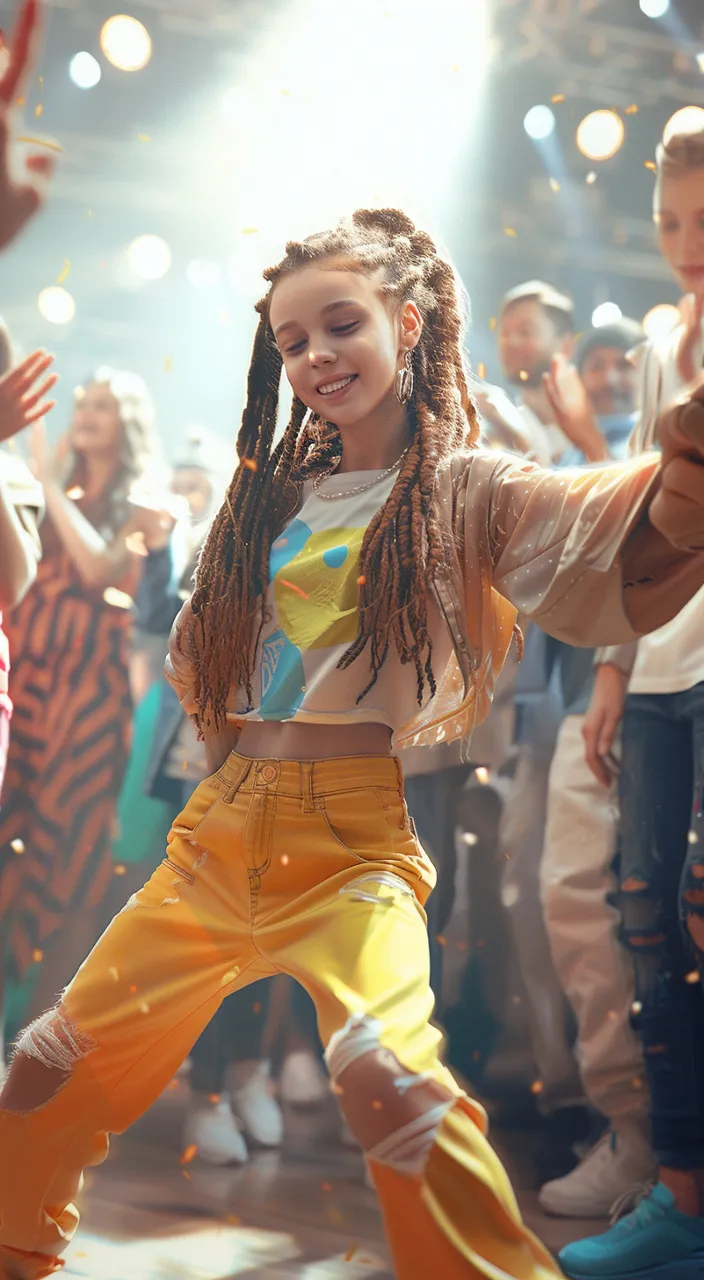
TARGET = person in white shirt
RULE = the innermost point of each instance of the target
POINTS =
(536, 326)
(658, 685)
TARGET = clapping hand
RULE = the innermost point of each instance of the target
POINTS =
(573, 413)
(677, 509)
(19, 200)
(23, 393)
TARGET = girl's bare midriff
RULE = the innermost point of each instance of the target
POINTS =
(291, 741)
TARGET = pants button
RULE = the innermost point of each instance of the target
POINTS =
(269, 772)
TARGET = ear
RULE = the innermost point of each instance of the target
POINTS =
(411, 325)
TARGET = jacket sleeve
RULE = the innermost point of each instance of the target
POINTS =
(575, 550)
(178, 668)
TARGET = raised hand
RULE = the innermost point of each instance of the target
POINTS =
(573, 413)
(19, 200)
(689, 348)
(23, 394)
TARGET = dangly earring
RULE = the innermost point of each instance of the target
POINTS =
(405, 380)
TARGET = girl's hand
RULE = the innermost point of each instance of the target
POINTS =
(573, 413)
(689, 349)
(19, 200)
(677, 510)
(23, 394)
(602, 720)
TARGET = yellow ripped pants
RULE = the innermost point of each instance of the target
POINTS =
(307, 869)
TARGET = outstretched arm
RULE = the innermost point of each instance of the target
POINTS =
(19, 199)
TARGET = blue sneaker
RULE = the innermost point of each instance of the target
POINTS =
(655, 1242)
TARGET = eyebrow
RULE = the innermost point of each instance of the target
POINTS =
(331, 306)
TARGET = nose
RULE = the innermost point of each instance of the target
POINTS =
(317, 358)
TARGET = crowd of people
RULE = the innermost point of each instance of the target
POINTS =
(562, 824)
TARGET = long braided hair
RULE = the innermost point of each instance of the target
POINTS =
(403, 544)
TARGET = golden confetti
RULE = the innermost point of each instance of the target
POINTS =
(256, 1008)
(143, 137)
(119, 869)
(481, 369)
(184, 765)
(41, 142)
(133, 988)
(650, 164)
(65, 272)
(168, 364)
(249, 463)
(114, 973)
(144, 1007)
(20, 102)
(214, 1098)
(76, 493)
(557, 97)
(186, 1175)
(39, 110)
(510, 231)
(441, 940)
(523, 375)
(351, 1252)
(482, 775)
(636, 1007)
(377, 1105)
(326, 1186)
(292, 587)
(554, 184)
(17, 846)
(233, 1221)
(250, 231)
(284, 859)
(492, 324)
(537, 1087)
(632, 110)
(692, 977)
(37, 955)
(590, 178)
(189, 1154)
(361, 581)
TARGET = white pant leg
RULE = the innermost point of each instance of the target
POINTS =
(595, 971)
(521, 842)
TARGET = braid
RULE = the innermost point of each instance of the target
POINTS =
(403, 545)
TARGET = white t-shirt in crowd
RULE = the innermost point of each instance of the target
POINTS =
(549, 442)
(672, 659)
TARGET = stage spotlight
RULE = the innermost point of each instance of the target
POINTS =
(539, 123)
(660, 321)
(203, 274)
(654, 8)
(600, 135)
(85, 71)
(686, 120)
(700, 61)
(149, 257)
(126, 43)
(606, 313)
(56, 305)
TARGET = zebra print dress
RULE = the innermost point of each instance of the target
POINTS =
(68, 752)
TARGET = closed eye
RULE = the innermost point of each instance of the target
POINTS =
(342, 328)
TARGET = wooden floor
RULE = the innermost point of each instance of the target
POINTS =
(304, 1211)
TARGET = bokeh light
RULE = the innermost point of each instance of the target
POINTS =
(686, 120)
(85, 70)
(57, 305)
(661, 320)
(654, 8)
(539, 122)
(126, 43)
(149, 257)
(606, 313)
(600, 135)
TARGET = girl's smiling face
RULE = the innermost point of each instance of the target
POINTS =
(679, 217)
(340, 341)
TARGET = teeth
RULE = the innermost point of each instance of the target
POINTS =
(335, 386)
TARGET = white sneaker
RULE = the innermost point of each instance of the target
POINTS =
(302, 1082)
(211, 1128)
(621, 1159)
(251, 1097)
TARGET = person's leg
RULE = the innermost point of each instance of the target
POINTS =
(340, 909)
(94, 1063)
(656, 785)
(577, 883)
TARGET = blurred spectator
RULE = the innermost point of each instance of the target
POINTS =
(536, 324)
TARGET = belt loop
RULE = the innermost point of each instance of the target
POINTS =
(242, 769)
(399, 776)
(307, 786)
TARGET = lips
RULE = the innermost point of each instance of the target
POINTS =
(330, 386)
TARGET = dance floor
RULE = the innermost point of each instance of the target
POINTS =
(304, 1211)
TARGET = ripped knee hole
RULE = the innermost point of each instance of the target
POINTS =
(43, 1060)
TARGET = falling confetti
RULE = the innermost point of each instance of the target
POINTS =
(590, 178)
(133, 989)
(292, 587)
(692, 977)
(250, 231)
(377, 1105)
(482, 775)
(554, 184)
(114, 973)
(536, 1087)
(189, 1154)
(76, 493)
(351, 1252)
(523, 375)
(214, 1098)
(441, 940)
(557, 97)
(119, 869)
(326, 1186)
(632, 110)
(173, 1084)
(284, 859)
(186, 1175)
(144, 1007)
(37, 955)
(650, 164)
(17, 846)
(143, 137)
(249, 463)
(256, 1008)
(510, 231)
(41, 142)
(481, 369)
(65, 272)
(636, 1007)
(184, 765)
(492, 324)
(361, 581)
(39, 110)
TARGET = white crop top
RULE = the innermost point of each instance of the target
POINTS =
(311, 607)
